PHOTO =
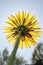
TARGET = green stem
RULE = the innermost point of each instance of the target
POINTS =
(12, 57)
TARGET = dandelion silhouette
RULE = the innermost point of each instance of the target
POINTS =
(21, 31)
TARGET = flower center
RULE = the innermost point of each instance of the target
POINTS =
(23, 30)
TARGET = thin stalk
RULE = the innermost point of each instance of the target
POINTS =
(12, 57)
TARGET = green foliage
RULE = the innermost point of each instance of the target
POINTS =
(5, 54)
(19, 61)
(4, 57)
(37, 56)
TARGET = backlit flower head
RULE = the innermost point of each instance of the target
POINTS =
(24, 24)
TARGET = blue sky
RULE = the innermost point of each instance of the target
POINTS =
(8, 7)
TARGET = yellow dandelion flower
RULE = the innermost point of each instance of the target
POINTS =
(24, 29)
(24, 24)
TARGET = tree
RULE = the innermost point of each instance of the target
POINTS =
(19, 61)
(37, 57)
(0, 59)
(4, 57)
(5, 54)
